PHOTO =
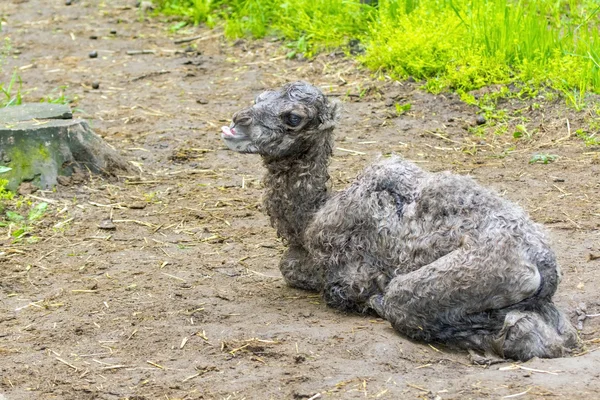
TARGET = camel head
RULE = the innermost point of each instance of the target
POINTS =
(283, 123)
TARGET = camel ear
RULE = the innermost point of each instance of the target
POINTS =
(331, 115)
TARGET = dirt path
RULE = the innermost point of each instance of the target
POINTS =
(184, 298)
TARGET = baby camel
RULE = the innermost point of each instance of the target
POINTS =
(437, 255)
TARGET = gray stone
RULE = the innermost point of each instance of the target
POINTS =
(107, 224)
(30, 111)
(41, 150)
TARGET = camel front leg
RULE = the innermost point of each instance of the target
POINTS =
(350, 287)
(299, 269)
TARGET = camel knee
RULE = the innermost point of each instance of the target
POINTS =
(353, 292)
(299, 270)
(529, 280)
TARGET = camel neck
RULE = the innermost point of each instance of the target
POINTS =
(295, 189)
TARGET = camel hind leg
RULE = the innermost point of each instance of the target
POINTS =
(471, 298)
(540, 330)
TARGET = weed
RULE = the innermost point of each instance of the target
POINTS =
(536, 106)
(434, 85)
(588, 139)
(58, 98)
(196, 11)
(575, 97)
(401, 109)
(5, 194)
(299, 47)
(478, 131)
(11, 92)
(501, 129)
(178, 26)
(543, 158)
(151, 197)
(470, 149)
(520, 131)
(19, 225)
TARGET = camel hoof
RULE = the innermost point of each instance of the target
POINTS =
(487, 359)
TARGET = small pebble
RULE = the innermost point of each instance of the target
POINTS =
(113, 32)
(93, 54)
(480, 120)
(63, 180)
(95, 85)
(107, 224)
(137, 205)
(68, 2)
(26, 188)
(94, 37)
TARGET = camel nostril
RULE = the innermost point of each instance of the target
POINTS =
(242, 118)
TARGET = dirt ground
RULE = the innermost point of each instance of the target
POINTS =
(183, 300)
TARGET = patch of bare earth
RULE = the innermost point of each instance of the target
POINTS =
(183, 299)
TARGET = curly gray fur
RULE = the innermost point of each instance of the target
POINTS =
(437, 255)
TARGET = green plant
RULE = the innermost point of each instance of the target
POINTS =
(20, 225)
(5, 194)
(196, 11)
(401, 109)
(574, 97)
(588, 139)
(520, 131)
(12, 92)
(58, 98)
(299, 47)
(543, 158)
(178, 26)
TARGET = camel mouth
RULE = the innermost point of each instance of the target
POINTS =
(236, 140)
(230, 133)
(227, 132)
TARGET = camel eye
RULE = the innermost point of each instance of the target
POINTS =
(293, 120)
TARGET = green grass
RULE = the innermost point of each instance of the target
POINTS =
(196, 11)
(457, 45)
(11, 90)
(59, 96)
(589, 139)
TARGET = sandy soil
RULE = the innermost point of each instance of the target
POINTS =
(183, 300)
